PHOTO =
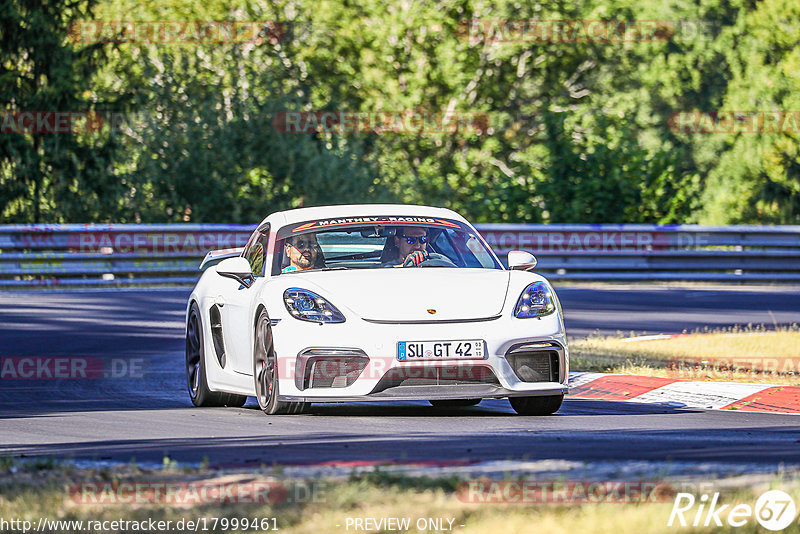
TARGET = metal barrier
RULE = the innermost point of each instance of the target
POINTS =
(110, 254)
(131, 254)
(648, 252)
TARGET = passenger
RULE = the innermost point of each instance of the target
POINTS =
(406, 249)
(303, 253)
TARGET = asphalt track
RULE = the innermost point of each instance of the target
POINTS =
(149, 415)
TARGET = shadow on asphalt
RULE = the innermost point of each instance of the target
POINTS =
(774, 445)
(99, 398)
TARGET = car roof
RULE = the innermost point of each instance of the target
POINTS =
(283, 218)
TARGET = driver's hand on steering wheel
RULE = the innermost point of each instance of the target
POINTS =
(415, 258)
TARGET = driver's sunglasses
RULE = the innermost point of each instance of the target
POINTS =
(301, 244)
(411, 239)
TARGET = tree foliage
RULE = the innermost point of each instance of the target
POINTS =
(40, 71)
(575, 131)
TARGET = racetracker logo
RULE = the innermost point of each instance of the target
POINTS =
(503, 241)
(734, 122)
(170, 242)
(725, 368)
(600, 240)
(563, 492)
(564, 31)
(193, 493)
(381, 122)
(336, 367)
(177, 31)
(50, 122)
(71, 368)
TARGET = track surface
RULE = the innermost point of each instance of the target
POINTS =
(148, 417)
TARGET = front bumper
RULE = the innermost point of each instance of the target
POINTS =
(363, 366)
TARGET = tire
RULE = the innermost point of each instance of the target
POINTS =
(536, 405)
(455, 403)
(196, 379)
(265, 373)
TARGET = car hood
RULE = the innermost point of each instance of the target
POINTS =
(408, 295)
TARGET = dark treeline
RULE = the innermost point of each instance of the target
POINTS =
(545, 125)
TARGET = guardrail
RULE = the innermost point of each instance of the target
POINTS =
(648, 252)
(131, 254)
(110, 254)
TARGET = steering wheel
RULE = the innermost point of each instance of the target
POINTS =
(437, 260)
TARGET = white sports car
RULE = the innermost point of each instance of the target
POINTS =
(373, 302)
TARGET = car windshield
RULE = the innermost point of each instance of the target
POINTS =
(350, 244)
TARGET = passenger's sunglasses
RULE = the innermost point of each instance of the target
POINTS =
(411, 239)
(301, 244)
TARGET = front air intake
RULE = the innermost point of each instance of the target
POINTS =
(329, 367)
(536, 362)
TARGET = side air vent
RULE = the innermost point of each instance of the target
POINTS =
(216, 334)
(535, 362)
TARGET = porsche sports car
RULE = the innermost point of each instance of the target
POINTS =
(373, 302)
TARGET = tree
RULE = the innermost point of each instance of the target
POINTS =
(49, 176)
(756, 176)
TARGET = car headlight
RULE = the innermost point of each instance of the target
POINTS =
(536, 301)
(308, 306)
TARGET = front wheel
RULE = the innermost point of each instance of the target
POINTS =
(265, 372)
(536, 405)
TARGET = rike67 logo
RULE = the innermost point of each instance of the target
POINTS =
(774, 510)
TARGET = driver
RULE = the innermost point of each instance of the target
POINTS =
(411, 244)
(302, 252)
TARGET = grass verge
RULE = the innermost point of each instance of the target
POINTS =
(749, 354)
(31, 494)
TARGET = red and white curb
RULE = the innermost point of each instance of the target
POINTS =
(685, 393)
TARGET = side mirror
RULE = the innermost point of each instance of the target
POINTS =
(521, 260)
(237, 268)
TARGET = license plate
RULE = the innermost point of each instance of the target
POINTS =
(469, 349)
